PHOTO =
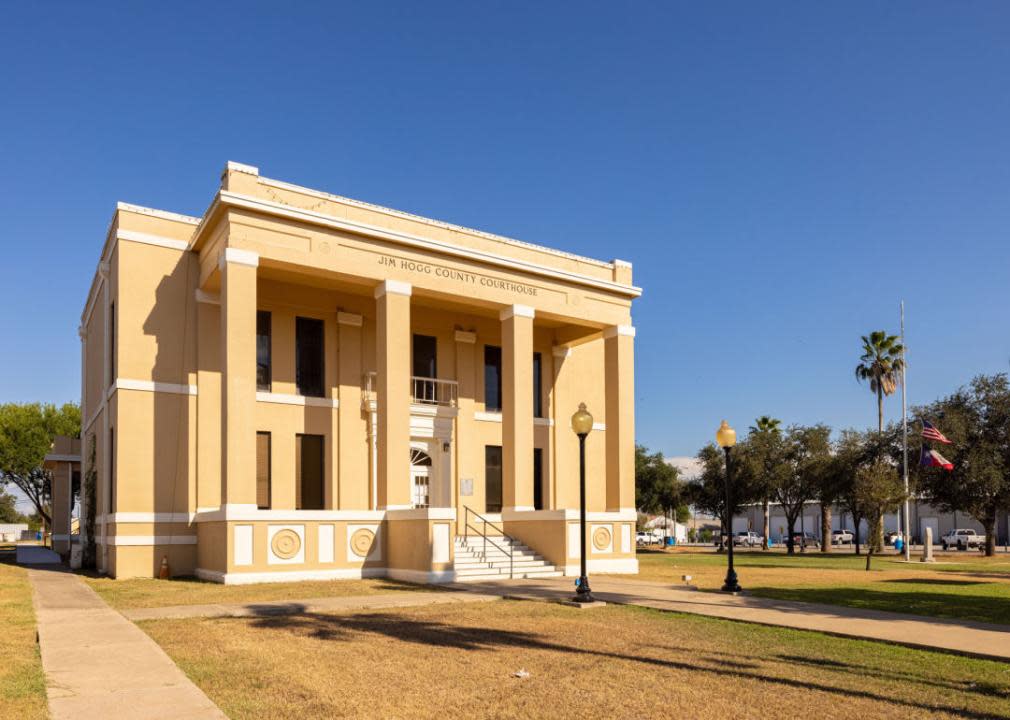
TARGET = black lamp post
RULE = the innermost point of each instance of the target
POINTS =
(582, 424)
(726, 437)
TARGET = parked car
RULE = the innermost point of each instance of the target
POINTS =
(805, 540)
(962, 539)
(646, 538)
(842, 537)
(748, 538)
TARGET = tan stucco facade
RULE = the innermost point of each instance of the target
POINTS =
(173, 403)
(63, 461)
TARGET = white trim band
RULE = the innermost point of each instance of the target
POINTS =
(393, 287)
(250, 513)
(622, 330)
(251, 578)
(524, 311)
(149, 517)
(149, 239)
(286, 399)
(149, 540)
(151, 386)
(239, 257)
(242, 168)
(482, 416)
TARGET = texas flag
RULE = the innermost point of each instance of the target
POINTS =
(931, 458)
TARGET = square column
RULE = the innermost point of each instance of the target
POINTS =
(238, 382)
(619, 358)
(517, 407)
(392, 354)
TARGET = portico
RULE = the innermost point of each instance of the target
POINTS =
(340, 389)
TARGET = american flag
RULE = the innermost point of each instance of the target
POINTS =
(929, 432)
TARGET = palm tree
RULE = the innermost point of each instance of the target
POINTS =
(881, 364)
(771, 426)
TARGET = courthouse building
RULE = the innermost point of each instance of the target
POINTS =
(301, 386)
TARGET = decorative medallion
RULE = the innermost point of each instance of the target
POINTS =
(286, 544)
(361, 542)
(601, 538)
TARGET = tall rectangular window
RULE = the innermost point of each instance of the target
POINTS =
(263, 351)
(424, 356)
(309, 470)
(112, 343)
(492, 478)
(309, 356)
(538, 405)
(538, 479)
(492, 378)
(263, 470)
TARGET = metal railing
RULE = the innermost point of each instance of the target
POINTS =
(432, 391)
(467, 527)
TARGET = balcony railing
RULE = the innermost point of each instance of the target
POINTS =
(423, 390)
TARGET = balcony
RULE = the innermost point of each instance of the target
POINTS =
(423, 391)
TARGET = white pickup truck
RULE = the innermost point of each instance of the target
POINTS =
(962, 539)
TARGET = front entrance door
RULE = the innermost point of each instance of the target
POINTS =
(420, 476)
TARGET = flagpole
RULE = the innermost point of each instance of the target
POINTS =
(904, 436)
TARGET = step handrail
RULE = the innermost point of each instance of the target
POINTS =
(467, 512)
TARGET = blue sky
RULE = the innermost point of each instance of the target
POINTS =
(781, 174)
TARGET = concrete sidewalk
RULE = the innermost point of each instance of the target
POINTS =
(313, 605)
(959, 636)
(98, 664)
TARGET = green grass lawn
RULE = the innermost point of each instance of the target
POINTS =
(22, 682)
(966, 588)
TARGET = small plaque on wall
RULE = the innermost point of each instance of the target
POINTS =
(466, 487)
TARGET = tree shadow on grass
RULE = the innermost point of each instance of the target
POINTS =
(430, 633)
(936, 581)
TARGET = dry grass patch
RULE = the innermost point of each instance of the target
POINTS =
(22, 682)
(148, 593)
(613, 662)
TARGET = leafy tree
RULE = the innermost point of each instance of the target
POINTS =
(976, 419)
(27, 431)
(707, 492)
(767, 463)
(808, 451)
(8, 509)
(878, 489)
(881, 365)
(657, 483)
(848, 457)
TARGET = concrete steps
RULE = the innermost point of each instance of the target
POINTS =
(476, 561)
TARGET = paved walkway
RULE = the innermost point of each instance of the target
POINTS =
(959, 636)
(98, 664)
(36, 555)
(314, 605)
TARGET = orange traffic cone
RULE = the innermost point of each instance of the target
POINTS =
(164, 568)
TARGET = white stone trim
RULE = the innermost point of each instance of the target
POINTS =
(239, 257)
(346, 318)
(251, 578)
(149, 239)
(164, 214)
(422, 514)
(604, 565)
(393, 287)
(570, 514)
(517, 509)
(150, 517)
(421, 576)
(524, 311)
(243, 542)
(242, 168)
(466, 336)
(561, 351)
(286, 399)
(150, 540)
(598, 426)
(615, 330)
(202, 296)
(151, 386)
(250, 513)
(276, 208)
(621, 264)
(482, 416)
(548, 422)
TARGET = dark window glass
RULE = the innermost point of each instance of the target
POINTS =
(538, 406)
(492, 478)
(424, 356)
(309, 458)
(492, 378)
(538, 479)
(110, 491)
(112, 343)
(263, 470)
(263, 351)
(309, 356)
